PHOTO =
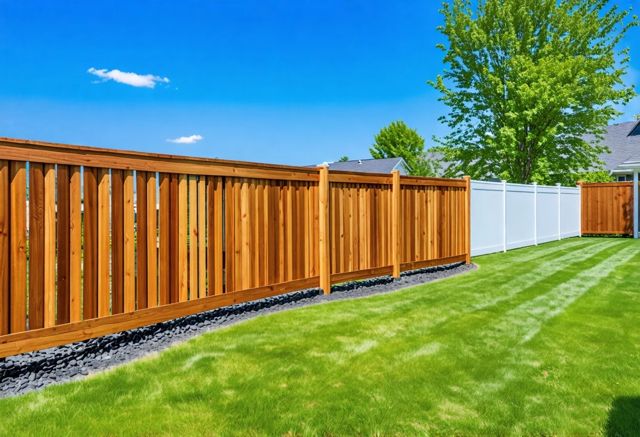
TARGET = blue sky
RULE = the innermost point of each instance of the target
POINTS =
(296, 82)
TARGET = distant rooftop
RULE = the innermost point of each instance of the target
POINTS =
(623, 141)
(386, 165)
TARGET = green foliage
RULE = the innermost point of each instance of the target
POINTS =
(400, 141)
(526, 80)
(343, 158)
(537, 341)
(595, 176)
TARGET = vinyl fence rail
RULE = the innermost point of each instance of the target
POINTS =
(507, 216)
(95, 241)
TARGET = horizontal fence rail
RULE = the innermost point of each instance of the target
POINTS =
(95, 241)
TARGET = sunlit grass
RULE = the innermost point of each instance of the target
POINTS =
(537, 341)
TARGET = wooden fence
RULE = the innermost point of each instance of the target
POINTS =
(607, 208)
(96, 241)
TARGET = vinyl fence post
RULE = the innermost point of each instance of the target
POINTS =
(467, 218)
(535, 213)
(323, 230)
(395, 222)
(580, 208)
(504, 216)
(559, 211)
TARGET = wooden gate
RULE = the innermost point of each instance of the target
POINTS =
(607, 208)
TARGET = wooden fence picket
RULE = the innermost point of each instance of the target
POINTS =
(120, 239)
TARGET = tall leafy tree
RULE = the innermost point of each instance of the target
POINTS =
(400, 141)
(525, 81)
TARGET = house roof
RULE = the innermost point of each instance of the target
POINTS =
(623, 141)
(385, 165)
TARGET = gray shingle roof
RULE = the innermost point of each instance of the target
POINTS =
(622, 146)
(385, 165)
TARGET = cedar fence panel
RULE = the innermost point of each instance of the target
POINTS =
(607, 208)
(109, 240)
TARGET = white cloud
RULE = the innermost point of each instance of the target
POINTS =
(186, 140)
(133, 79)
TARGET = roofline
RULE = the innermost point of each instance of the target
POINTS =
(400, 161)
(635, 126)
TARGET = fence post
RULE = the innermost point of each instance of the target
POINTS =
(395, 223)
(559, 213)
(635, 203)
(580, 208)
(504, 215)
(535, 213)
(467, 211)
(323, 230)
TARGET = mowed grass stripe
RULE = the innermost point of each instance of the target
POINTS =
(551, 364)
(486, 322)
(471, 296)
(526, 320)
(522, 262)
(378, 366)
(525, 254)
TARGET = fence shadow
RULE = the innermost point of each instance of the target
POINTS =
(624, 417)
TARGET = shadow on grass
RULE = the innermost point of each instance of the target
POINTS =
(624, 417)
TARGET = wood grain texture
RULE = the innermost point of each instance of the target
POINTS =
(182, 260)
(52, 153)
(48, 337)
(607, 208)
(174, 233)
(223, 233)
(75, 244)
(396, 230)
(142, 235)
(90, 245)
(36, 246)
(215, 241)
(129, 243)
(467, 220)
(193, 237)
(152, 241)
(202, 238)
(117, 241)
(164, 271)
(64, 248)
(50, 245)
(104, 261)
(5, 250)
(324, 243)
(18, 244)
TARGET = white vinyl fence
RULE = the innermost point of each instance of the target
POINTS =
(506, 216)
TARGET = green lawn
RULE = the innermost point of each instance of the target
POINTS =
(543, 340)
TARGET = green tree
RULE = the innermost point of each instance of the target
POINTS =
(343, 158)
(400, 141)
(525, 81)
(595, 176)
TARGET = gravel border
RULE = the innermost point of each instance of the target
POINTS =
(35, 370)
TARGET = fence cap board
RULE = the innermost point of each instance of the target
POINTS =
(605, 184)
(428, 181)
(48, 152)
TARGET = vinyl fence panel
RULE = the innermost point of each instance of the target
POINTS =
(569, 212)
(507, 216)
(487, 217)
(547, 213)
(521, 216)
